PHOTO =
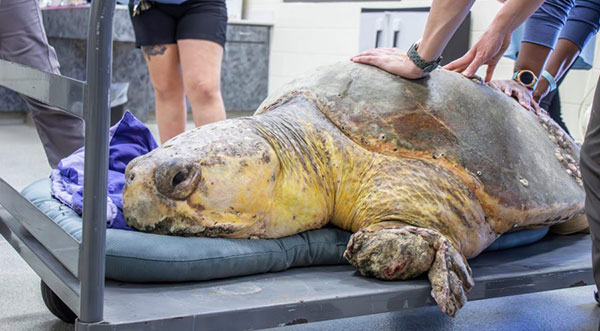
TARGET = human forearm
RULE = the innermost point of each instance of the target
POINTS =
(559, 63)
(532, 57)
(541, 33)
(445, 17)
(561, 59)
(582, 23)
(492, 44)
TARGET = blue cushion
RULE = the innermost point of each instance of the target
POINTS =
(133, 256)
(518, 239)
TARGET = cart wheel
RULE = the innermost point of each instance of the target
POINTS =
(56, 305)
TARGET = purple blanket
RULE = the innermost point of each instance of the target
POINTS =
(129, 138)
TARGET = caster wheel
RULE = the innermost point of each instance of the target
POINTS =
(56, 306)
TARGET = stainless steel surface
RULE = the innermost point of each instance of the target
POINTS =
(97, 116)
(52, 271)
(59, 243)
(572, 309)
(333, 292)
(59, 91)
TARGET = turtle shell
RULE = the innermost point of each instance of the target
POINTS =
(516, 159)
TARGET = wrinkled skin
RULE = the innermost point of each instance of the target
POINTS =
(426, 173)
(392, 250)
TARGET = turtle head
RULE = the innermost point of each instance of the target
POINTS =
(216, 181)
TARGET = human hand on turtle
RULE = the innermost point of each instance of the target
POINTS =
(516, 90)
(391, 60)
(488, 50)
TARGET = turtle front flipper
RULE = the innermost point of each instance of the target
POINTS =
(394, 250)
(450, 276)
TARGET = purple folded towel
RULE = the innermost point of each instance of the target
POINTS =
(129, 138)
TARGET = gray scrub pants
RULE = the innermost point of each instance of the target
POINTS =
(590, 170)
(23, 40)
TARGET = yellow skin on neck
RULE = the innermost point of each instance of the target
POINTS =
(330, 180)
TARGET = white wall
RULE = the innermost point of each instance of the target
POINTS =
(306, 35)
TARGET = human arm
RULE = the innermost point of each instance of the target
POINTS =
(444, 18)
(583, 22)
(560, 61)
(531, 57)
(540, 34)
(492, 44)
(540, 37)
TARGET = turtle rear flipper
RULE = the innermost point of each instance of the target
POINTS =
(393, 250)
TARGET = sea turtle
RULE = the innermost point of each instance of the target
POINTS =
(426, 173)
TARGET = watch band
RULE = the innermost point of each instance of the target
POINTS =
(419, 62)
(550, 79)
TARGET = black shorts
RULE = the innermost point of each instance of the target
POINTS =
(194, 19)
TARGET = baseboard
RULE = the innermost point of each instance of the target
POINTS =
(12, 118)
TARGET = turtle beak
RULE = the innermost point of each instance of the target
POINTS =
(177, 178)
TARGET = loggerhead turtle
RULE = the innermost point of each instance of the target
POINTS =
(426, 173)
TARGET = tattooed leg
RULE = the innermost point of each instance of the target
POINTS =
(164, 68)
(153, 50)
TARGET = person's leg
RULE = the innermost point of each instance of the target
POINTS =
(163, 65)
(23, 40)
(590, 169)
(155, 34)
(201, 30)
(202, 79)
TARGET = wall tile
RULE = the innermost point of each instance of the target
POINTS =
(315, 41)
(482, 14)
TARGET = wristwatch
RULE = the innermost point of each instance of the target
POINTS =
(419, 62)
(526, 77)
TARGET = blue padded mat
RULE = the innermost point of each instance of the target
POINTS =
(133, 256)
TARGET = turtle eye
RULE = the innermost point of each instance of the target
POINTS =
(177, 178)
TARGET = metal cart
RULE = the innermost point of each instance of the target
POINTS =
(72, 273)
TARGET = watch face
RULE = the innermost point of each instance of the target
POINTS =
(526, 77)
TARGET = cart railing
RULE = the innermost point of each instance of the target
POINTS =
(89, 100)
(62, 246)
(55, 90)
